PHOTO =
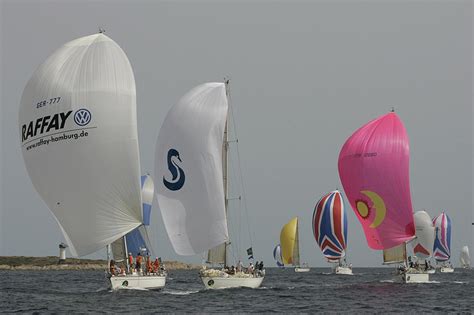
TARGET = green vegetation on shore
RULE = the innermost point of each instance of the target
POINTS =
(51, 263)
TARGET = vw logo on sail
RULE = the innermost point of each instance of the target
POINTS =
(82, 117)
(177, 173)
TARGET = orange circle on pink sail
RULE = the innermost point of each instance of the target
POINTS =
(363, 208)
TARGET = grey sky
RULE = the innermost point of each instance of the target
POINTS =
(304, 77)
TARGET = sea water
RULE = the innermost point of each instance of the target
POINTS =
(369, 290)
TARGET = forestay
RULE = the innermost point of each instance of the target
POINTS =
(78, 129)
(188, 170)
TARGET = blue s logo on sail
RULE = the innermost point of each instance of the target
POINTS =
(177, 173)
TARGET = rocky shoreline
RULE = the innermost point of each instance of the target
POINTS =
(51, 263)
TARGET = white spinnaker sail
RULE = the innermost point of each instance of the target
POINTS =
(425, 235)
(188, 170)
(464, 257)
(79, 141)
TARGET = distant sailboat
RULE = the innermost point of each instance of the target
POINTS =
(277, 256)
(423, 244)
(80, 146)
(374, 170)
(330, 230)
(192, 161)
(464, 258)
(442, 243)
(290, 245)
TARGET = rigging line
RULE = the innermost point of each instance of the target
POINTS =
(238, 218)
(233, 181)
(240, 167)
(148, 244)
(232, 214)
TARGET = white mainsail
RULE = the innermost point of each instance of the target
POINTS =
(464, 258)
(425, 235)
(79, 141)
(217, 255)
(395, 255)
(189, 170)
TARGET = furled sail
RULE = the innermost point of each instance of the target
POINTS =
(79, 141)
(425, 235)
(464, 258)
(374, 170)
(330, 225)
(189, 170)
(289, 243)
(277, 256)
(442, 243)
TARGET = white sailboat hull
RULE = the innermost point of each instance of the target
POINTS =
(302, 269)
(446, 270)
(152, 282)
(431, 271)
(415, 277)
(218, 282)
(340, 270)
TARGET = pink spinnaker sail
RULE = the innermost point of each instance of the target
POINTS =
(374, 171)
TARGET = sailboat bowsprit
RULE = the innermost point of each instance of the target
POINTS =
(80, 142)
(192, 161)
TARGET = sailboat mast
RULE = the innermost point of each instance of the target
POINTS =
(107, 249)
(225, 160)
(296, 250)
(126, 252)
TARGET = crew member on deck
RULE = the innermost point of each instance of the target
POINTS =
(112, 267)
(156, 265)
(149, 268)
(239, 266)
(250, 269)
(139, 262)
(130, 261)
